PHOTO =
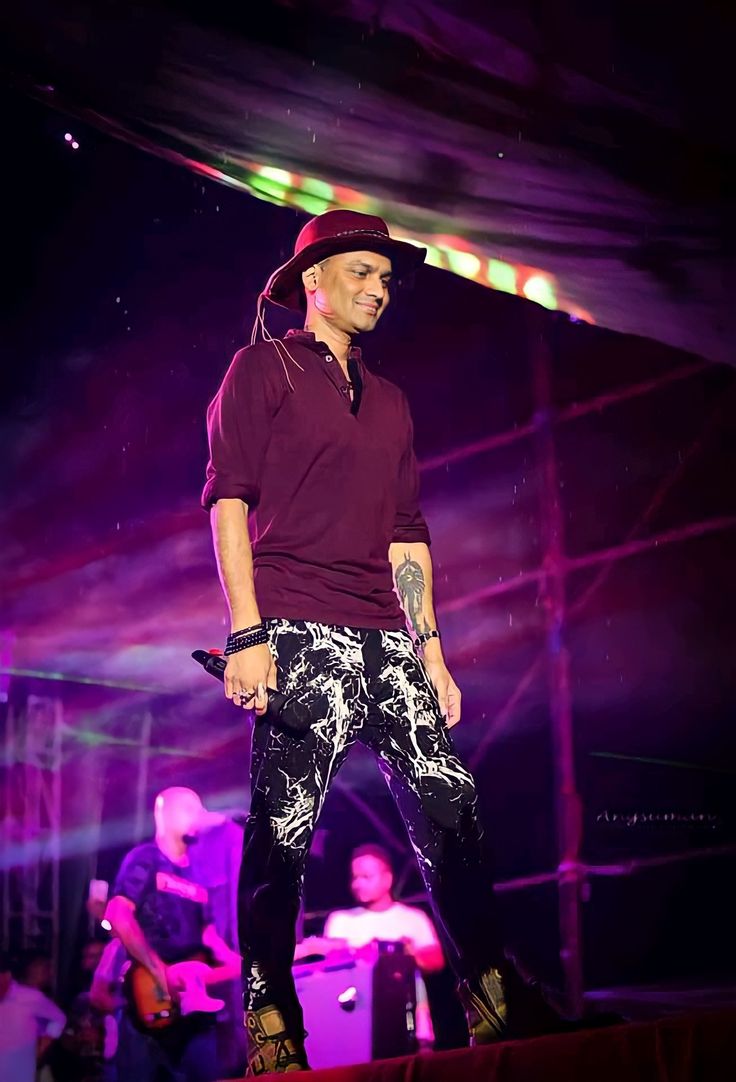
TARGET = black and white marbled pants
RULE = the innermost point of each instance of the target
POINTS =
(374, 689)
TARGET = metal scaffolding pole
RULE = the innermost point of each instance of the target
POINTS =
(32, 824)
(144, 757)
(568, 809)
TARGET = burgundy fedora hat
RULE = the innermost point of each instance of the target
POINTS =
(328, 234)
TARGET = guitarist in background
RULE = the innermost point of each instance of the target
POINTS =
(162, 917)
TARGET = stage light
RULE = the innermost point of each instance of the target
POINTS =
(278, 176)
(463, 263)
(318, 188)
(310, 203)
(434, 255)
(502, 275)
(75, 144)
(105, 923)
(267, 188)
(68, 137)
(446, 251)
(539, 289)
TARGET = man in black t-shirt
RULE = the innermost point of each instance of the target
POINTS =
(171, 908)
(162, 916)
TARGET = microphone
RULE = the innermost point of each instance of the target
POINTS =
(283, 711)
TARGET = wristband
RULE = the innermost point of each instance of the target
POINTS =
(245, 631)
(424, 638)
(244, 642)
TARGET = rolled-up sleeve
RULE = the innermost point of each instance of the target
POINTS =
(239, 420)
(410, 525)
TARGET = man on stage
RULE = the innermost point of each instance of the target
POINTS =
(379, 917)
(322, 581)
(162, 917)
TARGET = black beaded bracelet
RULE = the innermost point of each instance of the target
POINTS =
(246, 631)
(256, 638)
(260, 638)
(235, 637)
(424, 638)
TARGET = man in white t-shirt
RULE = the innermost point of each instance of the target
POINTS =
(379, 917)
(29, 1022)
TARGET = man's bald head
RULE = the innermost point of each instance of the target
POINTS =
(178, 812)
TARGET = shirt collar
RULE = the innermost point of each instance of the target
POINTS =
(310, 341)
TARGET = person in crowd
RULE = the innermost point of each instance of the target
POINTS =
(161, 915)
(86, 1049)
(379, 917)
(34, 970)
(29, 1023)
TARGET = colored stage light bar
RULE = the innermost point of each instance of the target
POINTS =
(453, 253)
(314, 195)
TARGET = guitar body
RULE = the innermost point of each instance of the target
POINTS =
(153, 1010)
(150, 1008)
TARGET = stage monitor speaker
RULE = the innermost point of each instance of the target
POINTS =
(357, 1011)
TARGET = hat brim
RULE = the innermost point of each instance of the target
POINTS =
(285, 286)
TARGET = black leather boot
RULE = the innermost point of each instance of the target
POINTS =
(484, 1001)
(505, 1004)
(500, 1004)
(271, 1049)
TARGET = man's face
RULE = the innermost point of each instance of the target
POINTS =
(353, 290)
(38, 974)
(371, 880)
(91, 954)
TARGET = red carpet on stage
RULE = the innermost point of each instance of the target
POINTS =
(695, 1048)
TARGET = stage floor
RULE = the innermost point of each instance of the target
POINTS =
(698, 1047)
(650, 1001)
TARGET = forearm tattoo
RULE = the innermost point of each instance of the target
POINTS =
(411, 586)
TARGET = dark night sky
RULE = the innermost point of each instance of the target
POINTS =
(130, 283)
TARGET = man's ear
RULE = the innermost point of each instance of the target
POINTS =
(310, 278)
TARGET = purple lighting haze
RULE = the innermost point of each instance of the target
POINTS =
(139, 289)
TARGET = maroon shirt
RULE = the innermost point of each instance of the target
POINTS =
(330, 483)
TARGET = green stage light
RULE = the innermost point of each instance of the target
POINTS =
(310, 203)
(502, 275)
(319, 188)
(268, 189)
(463, 263)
